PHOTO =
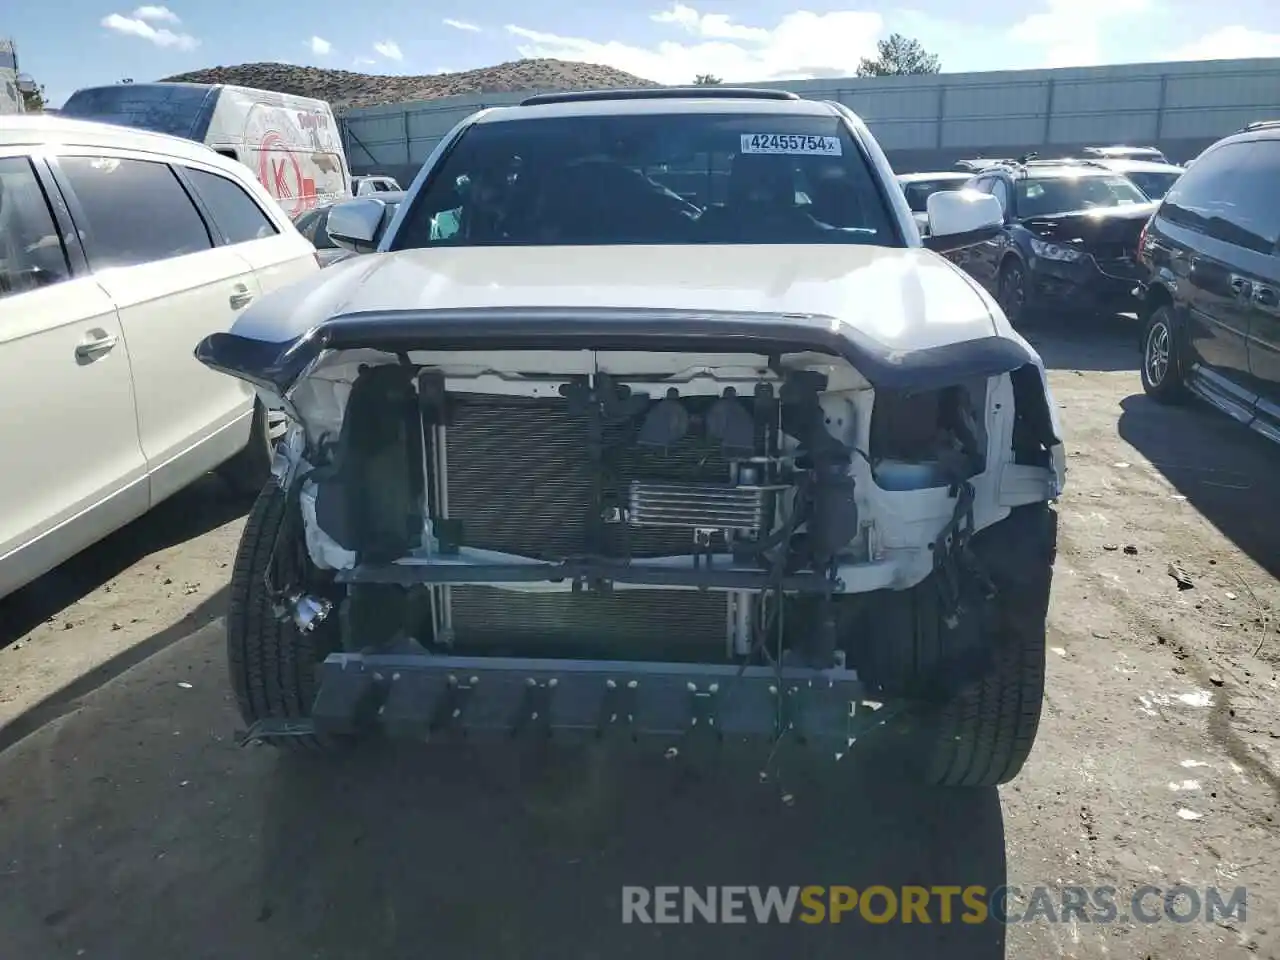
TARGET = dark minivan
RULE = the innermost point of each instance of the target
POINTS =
(1211, 300)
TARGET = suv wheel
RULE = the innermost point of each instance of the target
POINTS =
(1012, 292)
(1161, 364)
(250, 469)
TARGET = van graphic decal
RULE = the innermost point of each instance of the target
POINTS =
(281, 174)
(296, 160)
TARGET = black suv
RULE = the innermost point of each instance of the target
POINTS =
(1211, 300)
(1070, 237)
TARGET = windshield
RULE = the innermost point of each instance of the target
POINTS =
(1040, 198)
(173, 108)
(652, 179)
(919, 192)
(1154, 185)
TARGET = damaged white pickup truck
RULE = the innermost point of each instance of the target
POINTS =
(650, 416)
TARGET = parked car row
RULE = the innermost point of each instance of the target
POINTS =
(74, 197)
(1193, 250)
(1118, 152)
(1069, 239)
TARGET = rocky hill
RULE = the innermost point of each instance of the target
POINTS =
(344, 88)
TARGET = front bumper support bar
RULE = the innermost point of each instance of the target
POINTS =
(430, 697)
(588, 574)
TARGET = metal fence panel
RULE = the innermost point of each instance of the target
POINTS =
(945, 115)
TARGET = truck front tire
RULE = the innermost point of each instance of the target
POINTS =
(980, 683)
(272, 664)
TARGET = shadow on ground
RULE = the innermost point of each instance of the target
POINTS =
(1227, 472)
(514, 855)
(67, 699)
(204, 506)
(1086, 342)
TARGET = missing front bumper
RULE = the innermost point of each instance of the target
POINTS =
(428, 697)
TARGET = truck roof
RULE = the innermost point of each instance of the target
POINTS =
(658, 105)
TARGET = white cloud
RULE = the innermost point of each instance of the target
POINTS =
(713, 26)
(1070, 32)
(389, 49)
(800, 45)
(160, 36)
(319, 46)
(156, 14)
(1230, 43)
(362, 62)
(460, 25)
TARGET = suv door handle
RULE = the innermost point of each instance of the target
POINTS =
(95, 344)
(240, 297)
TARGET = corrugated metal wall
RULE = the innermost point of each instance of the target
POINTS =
(928, 122)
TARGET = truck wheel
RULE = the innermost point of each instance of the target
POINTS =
(1161, 365)
(981, 682)
(272, 664)
(248, 470)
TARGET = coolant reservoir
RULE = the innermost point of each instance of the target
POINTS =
(907, 474)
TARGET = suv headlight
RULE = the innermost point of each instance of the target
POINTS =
(1052, 251)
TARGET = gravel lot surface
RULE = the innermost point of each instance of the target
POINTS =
(131, 825)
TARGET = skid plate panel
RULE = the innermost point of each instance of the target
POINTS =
(426, 697)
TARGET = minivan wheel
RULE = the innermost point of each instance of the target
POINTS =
(1161, 365)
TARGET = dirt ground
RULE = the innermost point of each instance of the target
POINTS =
(132, 826)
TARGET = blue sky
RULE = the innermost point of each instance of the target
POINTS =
(76, 43)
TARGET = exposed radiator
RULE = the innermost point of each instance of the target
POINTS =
(627, 624)
(686, 505)
(520, 481)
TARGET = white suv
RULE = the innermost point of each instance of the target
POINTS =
(119, 249)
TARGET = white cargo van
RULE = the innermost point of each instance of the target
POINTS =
(291, 143)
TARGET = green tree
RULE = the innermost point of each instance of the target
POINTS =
(33, 100)
(706, 80)
(897, 56)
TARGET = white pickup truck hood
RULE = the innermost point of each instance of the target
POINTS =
(906, 299)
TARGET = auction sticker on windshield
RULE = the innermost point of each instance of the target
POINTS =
(790, 144)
